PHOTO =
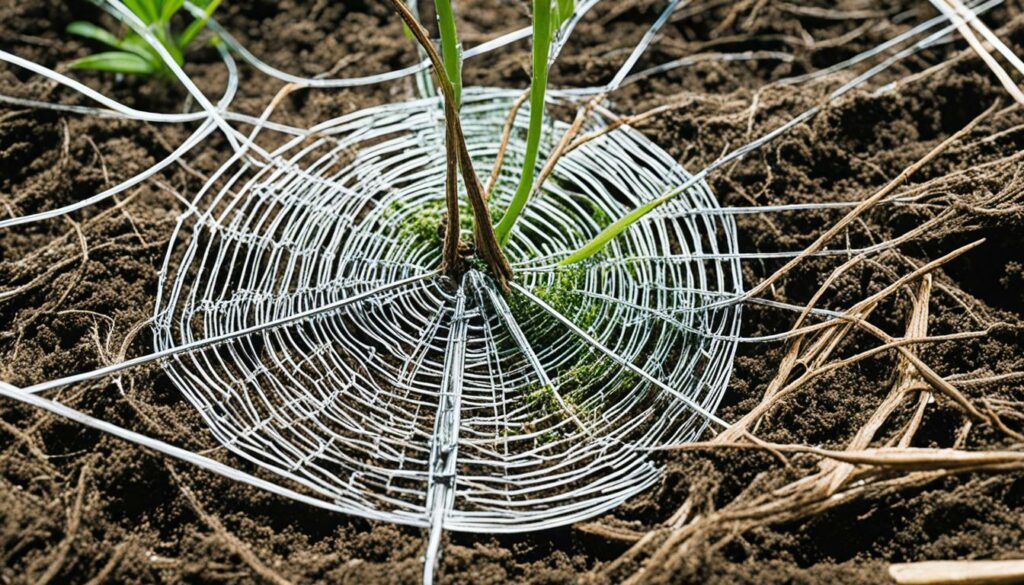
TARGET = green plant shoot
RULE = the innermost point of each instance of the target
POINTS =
(450, 52)
(132, 54)
(548, 16)
(608, 234)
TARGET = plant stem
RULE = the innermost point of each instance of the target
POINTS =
(450, 47)
(538, 85)
(456, 149)
(608, 234)
(197, 25)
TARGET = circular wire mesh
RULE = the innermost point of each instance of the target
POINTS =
(417, 396)
(301, 311)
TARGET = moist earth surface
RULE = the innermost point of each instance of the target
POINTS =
(77, 506)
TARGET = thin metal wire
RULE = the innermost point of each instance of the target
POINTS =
(300, 309)
(349, 406)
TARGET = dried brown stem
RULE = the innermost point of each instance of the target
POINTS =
(842, 475)
(506, 134)
(455, 143)
(870, 202)
(111, 564)
(74, 519)
(899, 458)
(230, 541)
(957, 572)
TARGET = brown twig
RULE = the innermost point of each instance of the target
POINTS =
(112, 563)
(455, 143)
(843, 475)
(868, 203)
(74, 519)
(506, 134)
(230, 541)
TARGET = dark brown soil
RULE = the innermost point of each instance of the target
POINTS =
(75, 504)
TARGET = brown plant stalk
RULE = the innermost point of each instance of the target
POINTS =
(457, 153)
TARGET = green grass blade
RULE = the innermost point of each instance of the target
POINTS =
(538, 85)
(169, 9)
(133, 43)
(144, 9)
(565, 9)
(116, 62)
(167, 40)
(556, 17)
(197, 25)
(89, 30)
(450, 52)
(608, 234)
(561, 10)
(175, 52)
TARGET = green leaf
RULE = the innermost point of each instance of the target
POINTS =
(197, 25)
(601, 240)
(561, 11)
(179, 58)
(152, 7)
(542, 29)
(175, 53)
(450, 51)
(170, 8)
(138, 45)
(193, 30)
(144, 9)
(164, 36)
(566, 8)
(133, 43)
(556, 17)
(117, 62)
(91, 31)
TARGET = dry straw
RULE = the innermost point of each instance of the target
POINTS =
(309, 316)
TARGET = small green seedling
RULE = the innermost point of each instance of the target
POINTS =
(450, 51)
(132, 54)
(548, 16)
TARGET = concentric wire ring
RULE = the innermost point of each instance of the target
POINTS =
(534, 409)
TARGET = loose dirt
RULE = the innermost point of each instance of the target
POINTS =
(76, 505)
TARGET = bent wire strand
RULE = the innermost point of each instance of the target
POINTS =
(303, 318)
